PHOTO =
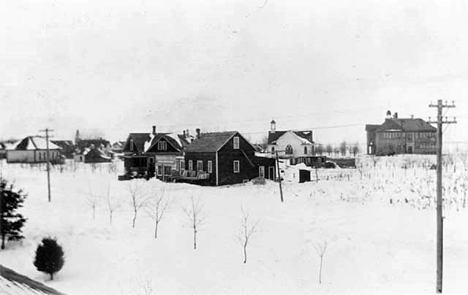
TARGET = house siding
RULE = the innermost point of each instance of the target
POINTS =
(226, 157)
(31, 156)
(204, 157)
(289, 138)
(389, 143)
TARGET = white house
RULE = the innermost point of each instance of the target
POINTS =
(32, 149)
(290, 144)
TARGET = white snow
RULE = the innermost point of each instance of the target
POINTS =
(379, 223)
(147, 144)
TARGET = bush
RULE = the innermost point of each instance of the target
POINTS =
(49, 257)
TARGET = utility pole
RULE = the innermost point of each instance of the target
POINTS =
(47, 159)
(440, 219)
(279, 176)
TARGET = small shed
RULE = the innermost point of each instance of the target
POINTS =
(298, 173)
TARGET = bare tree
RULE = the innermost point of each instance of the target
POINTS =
(336, 151)
(355, 149)
(158, 206)
(319, 149)
(321, 248)
(343, 148)
(195, 216)
(248, 229)
(375, 160)
(329, 149)
(464, 159)
(138, 198)
(113, 204)
(92, 200)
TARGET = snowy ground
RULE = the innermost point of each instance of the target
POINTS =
(378, 222)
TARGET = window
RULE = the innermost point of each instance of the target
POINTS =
(162, 145)
(236, 142)
(305, 150)
(272, 149)
(236, 166)
(151, 160)
(167, 170)
(261, 171)
(199, 165)
(210, 167)
(182, 165)
(289, 150)
(159, 170)
(190, 165)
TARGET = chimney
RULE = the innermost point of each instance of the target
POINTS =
(395, 116)
(273, 126)
(198, 132)
(188, 133)
(154, 130)
(389, 114)
(184, 133)
(412, 116)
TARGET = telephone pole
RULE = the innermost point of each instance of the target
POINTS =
(440, 219)
(47, 159)
(279, 177)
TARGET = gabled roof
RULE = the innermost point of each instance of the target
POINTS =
(409, 125)
(211, 142)
(63, 143)
(96, 153)
(172, 139)
(13, 283)
(304, 134)
(139, 140)
(35, 143)
(185, 140)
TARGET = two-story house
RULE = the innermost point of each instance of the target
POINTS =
(228, 158)
(401, 136)
(290, 144)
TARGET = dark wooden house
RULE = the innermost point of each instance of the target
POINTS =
(228, 158)
(96, 155)
(85, 144)
(135, 161)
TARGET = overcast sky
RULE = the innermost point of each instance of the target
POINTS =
(120, 66)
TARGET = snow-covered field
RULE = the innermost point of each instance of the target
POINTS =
(378, 222)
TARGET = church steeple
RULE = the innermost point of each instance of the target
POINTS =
(77, 136)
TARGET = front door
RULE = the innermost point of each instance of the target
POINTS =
(410, 149)
(261, 171)
(271, 173)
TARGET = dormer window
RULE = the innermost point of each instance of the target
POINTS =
(162, 145)
(236, 142)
